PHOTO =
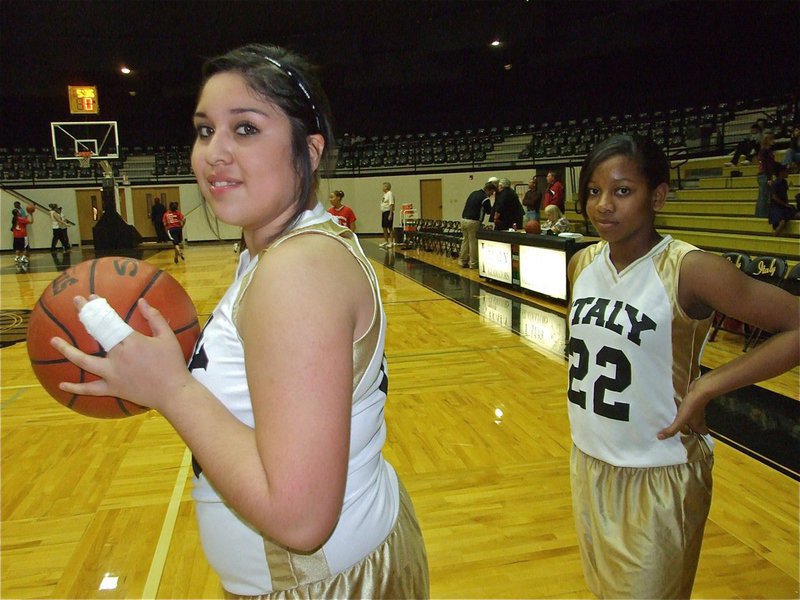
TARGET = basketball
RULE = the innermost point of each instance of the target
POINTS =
(121, 281)
(533, 226)
(30, 208)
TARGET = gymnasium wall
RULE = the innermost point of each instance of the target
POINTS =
(362, 194)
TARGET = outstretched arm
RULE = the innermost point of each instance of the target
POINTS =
(709, 282)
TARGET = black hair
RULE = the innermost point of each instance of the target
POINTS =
(14, 215)
(173, 206)
(648, 156)
(288, 81)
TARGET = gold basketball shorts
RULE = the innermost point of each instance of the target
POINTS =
(640, 529)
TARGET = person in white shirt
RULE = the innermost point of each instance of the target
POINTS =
(387, 214)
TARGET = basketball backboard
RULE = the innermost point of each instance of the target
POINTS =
(71, 139)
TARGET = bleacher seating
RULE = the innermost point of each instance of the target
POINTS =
(710, 208)
(690, 127)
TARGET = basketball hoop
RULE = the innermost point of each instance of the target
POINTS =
(84, 158)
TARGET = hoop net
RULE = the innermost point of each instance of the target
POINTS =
(84, 158)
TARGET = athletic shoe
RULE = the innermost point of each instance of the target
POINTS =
(729, 164)
(745, 162)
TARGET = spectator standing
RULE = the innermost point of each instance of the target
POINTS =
(477, 206)
(157, 217)
(64, 226)
(532, 201)
(555, 192)
(387, 214)
(344, 214)
(766, 169)
(780, 210)
(507, 210)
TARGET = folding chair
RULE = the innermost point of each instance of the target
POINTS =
(742, 262)
(791, 283)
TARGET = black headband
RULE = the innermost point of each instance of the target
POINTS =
(291, 74)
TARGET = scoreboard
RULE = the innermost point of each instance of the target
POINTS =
(83, 100)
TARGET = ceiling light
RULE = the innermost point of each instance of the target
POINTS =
(125, 71)
(495, 43)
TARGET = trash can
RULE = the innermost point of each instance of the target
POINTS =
(398, 236)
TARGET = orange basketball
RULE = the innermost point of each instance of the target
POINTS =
(121, 281)
(533, 226)
(30, 208)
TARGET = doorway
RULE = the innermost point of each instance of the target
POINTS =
(90, 209)
(430, 194)
(142, 201)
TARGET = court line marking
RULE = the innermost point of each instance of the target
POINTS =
(9, 400)
(165, 537)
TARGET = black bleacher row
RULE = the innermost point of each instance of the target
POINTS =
(704, 129)
(173, 161)
(40, 164)
(420, 149)
(699, 130)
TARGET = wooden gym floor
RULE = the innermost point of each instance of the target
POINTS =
(478, 432)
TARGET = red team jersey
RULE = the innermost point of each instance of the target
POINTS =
(21, 228)
(173, 219)
(344, 216)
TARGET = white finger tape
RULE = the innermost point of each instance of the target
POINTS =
(103, 323)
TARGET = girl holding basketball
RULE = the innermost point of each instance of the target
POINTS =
(641, 307)
(283, 403)
(19, 231)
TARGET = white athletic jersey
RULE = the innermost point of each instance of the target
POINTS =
(247, 563)
(632, 354)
